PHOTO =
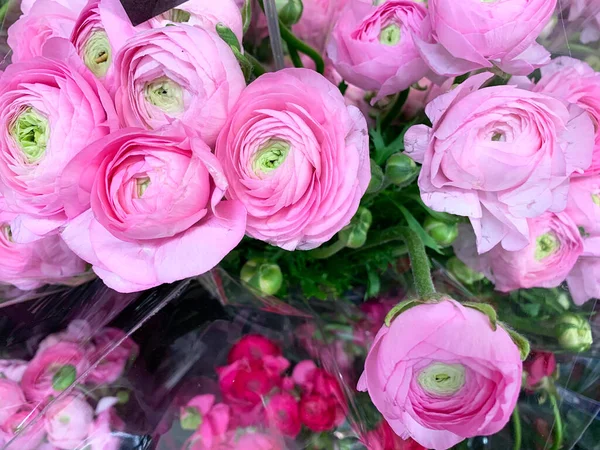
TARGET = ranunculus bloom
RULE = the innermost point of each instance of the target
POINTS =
(538, 366)
(11, 399)
(318, 413)
(476, 34)
(101, 435)
(555, 245)
(317, 21)
(53, 370)
(499, 156)
(213, 423)
(584, 280)
(111, 367)
(439, 374)
(77, 332)
(204, 14)
(30, 265)
(372, 47)
(583, 204)
(46, 20)
(256, 440)
(253, 346)
(12, 369)
(384, 438)
(52, 107)
(297, 157)
(575, 82)
(281, 411)
(178, 72)
(156, 196)
(101, 30)
(74, 5)
(19, 426)
(67, 421)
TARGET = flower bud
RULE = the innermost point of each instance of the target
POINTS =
(263, 276)
(444, 233)
(400, 169)
(190, 419)
(462, 272)
(355, 233)
(64, 377)
(574, 333)
(290, 12)
(376, 182)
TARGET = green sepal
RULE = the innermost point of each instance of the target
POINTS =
(520, 341)
(486, 309)
(228, 36)
(399, 309)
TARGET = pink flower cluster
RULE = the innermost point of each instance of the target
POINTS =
(69, 421)
(140, 150)
(258, 395)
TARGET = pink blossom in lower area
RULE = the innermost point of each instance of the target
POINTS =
(67, 421)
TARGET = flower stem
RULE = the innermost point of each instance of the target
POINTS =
(523, 325)
(295, 43)
(295, 57)
(4, 9)
(516, 420)
(395, 109)
(419, 263)
(257, 67)
(326, 252)
(558, 427)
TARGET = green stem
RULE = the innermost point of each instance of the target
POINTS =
(257, 67)
(295, 57)
(558, 427)
(395, 109)
(539, 328)
(419, 264)
(516, 420)
(326, 252)
(582, 49)
(4, 9)
(295, 43)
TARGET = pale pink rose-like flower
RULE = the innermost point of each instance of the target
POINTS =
(67, 421)
(481, 34)
(214, 421)
(583, 205)
(178, 72)
(317, 21)
(52, 107)
(555, 245)
(499, 156)
(101, 433)
(576, 82)
(33, 264)
(29, 436)
(47, 19)
(39, 381)
(480, 367)
(11, 399)
(110, 368)
(12, 369)
(373, 47)
(155, 195)
(297, 157)
(77, 332)
(74, 5)
(584, 280)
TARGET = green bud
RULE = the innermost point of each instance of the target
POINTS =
(355, 233)
(401, 169)
(228, 36)
(122, 397)
(31, 132)
(97, 53)
(190, 419)
(462, 272)
(64, 377)
(291, 12)
(443, 233)
(263, 276)
(165, 94)
(574, 333)
(376, 182)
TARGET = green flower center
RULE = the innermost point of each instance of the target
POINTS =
(31, 132)
(390, 35)
(498, 137)
(97, 53)
(442, 379)
(270, 156)
(141, 185)
(546, 245)
(64, 377)
(165, 94)
(596, 199)
(180, 16)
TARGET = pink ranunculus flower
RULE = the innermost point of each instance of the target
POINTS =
(77, 332)
(317, 21)
(52, 107)
(101, 433)
(22, 431)
(499, 156)
(576, 82)
(67, 421)
(155, 195)
(111, 367)
(53, 370)
(373, 47)
(252, 439)
(46, 20)
(482, 34)
(12, 369)
(100, 31)
(282, 414)
(440, 373)
(204, 14)
(584, 279)
(297, 157)
(583, 204)
(555, 245)
(538, 366)
(74, 5)
(178, 72)
(211, 420)
(11, 399)
(253, 347)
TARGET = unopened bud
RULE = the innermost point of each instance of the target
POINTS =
(355, 233)
(574, 333)
(263, 276)
(376, 182)
(400, 169)
(462, 272)
(442, 232)
(290, 12)
(64, 377)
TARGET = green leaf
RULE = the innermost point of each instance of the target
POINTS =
(520, 341)
(399, 309)
(414, 225)
(531, 309)
(487, 310)
(228, 36)
(374, 283)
